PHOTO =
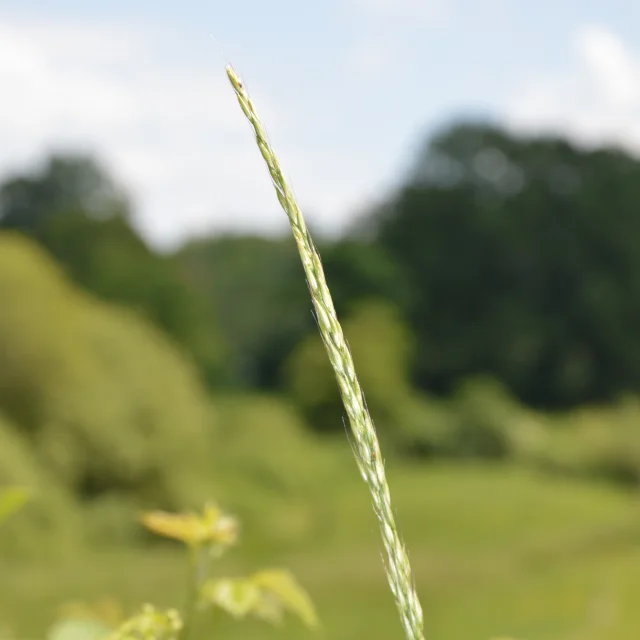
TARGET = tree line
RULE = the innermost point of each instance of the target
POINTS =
(505, 256)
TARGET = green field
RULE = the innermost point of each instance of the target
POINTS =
(496, 552)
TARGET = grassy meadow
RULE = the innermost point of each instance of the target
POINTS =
(496, 551)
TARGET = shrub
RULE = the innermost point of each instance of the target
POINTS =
(109, 405)
(50, 522)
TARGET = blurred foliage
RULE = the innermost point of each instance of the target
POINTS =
(272, 463)
(74, 209)
(49, 522)
(78, 628)
(596, 441)
(496, 549)
(95, 395)
(212, 528)
(109, 258)
(250, 424)
(266, 594)
(11, 500)
(63, 184)
(522, 257)
(381, 346)
(509, 257)
(256, 286)
(491, 304)
(362, 270)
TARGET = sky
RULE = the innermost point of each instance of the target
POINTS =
(348, 90)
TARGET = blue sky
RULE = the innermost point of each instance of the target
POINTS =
(347, 89)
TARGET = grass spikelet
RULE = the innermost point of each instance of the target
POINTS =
(366, 447)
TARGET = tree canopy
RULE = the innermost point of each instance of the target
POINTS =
(521, 254)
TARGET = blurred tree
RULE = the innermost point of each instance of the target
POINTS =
(258, 289)
(75, 210)
(257, 286)
(66, 183)
(361, 269)
(285, 494)
(381, 345)
(107, 402)
(110, 259)
(522, 259)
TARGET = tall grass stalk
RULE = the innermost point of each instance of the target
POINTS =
(366, 447)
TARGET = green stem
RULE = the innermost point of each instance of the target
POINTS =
(193, 586)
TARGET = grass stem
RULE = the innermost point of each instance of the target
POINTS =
(366, 446)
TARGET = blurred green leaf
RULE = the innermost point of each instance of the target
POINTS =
(78, 629)
(11, 500)
(266, 594)
(212, 527)
(150, 624)
(237, 596)
(285, 588)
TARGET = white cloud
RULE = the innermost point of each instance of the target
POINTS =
(595, 100)
(171, 130)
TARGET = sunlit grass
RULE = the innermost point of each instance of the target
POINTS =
(496, 551)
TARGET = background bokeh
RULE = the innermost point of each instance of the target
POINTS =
(471, 174)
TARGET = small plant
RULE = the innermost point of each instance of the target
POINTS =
(266, 594)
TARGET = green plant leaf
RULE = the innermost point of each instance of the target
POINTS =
(237, 596)
(211, 527)
(282, 585)
(11, 500)
(149, 624)
(265, 594)
(78, 629)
